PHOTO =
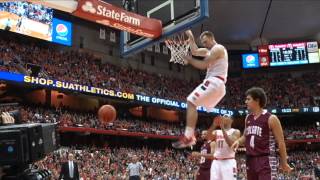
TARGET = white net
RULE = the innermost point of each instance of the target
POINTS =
(179, 48)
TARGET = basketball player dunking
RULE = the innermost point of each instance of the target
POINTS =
(262, 131)
(224, 166)
(212, 89)
(206, 156)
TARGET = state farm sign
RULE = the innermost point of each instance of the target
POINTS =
(109, 15)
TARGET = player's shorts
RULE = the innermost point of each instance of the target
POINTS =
(224, 170)
(262, 168)
(209, 93)
(203, 174)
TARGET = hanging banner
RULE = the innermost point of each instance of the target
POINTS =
(118, 18)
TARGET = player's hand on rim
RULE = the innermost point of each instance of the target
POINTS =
(190, 35)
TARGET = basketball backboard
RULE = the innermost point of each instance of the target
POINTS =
(176, 16)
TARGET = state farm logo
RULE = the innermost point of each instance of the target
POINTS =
(88, 7)
(109, 11)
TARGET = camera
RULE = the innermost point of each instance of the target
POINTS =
(23, 144)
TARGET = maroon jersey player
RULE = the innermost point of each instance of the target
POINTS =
(262, 132)
(206, 156)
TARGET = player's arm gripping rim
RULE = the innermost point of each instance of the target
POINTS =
(195, 50)
(216, 53)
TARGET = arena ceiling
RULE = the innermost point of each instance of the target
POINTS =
(245, 23)
(242, 24)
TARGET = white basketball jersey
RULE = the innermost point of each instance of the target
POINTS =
(219, 67)
(222, 149)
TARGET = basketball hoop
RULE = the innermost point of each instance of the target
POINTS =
(179, 48)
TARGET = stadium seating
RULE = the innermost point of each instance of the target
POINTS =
(283, 89)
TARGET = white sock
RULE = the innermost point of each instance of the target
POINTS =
(189, 132)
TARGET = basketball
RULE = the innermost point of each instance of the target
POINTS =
(107, 114)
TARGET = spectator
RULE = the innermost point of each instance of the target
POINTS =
(88, 70)
(69, 169)
(135, 169)
(112, 162)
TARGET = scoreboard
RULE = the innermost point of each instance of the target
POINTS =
(288, 54)
(35, 21)
(283, 55)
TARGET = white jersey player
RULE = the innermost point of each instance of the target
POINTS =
(212, 89)
(224, 166)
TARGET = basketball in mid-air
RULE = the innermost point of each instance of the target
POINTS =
(107, 114)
